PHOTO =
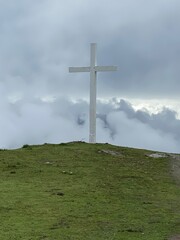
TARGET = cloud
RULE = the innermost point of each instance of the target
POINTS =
(62, 120)
(139, 128)
(41, 39)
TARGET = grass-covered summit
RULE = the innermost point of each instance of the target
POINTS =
(78, 191)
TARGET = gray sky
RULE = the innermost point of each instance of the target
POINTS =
(40, 39)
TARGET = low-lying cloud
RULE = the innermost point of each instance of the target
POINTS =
(33, 121)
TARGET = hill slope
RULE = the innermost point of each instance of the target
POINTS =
(81, 191)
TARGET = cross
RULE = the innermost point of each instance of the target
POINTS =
(93, 69)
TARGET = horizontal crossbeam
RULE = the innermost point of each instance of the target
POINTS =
(96, 68)
(79, 69)
(105, 68)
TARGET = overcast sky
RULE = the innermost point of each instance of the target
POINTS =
(40, 39)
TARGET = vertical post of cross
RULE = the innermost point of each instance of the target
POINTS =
(92, 110)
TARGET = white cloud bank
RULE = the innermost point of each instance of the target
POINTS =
(35, 122)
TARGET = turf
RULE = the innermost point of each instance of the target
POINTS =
(80, 191)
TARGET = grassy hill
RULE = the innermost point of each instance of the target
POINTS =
(78, 191)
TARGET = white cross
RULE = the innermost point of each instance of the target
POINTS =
(93, 69)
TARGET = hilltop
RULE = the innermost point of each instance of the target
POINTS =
(83, 191)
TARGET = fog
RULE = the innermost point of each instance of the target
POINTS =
(36, 121)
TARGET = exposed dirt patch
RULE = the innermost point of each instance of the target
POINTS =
(175, 163)
(175, 238)
(175, 166)
(175, 170)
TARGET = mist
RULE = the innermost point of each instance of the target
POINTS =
(38, 121)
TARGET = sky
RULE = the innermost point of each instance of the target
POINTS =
(40, 101)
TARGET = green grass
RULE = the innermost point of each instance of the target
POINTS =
(76, 191)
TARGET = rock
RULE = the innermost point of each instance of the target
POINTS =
(110, 152)
(157, 155)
